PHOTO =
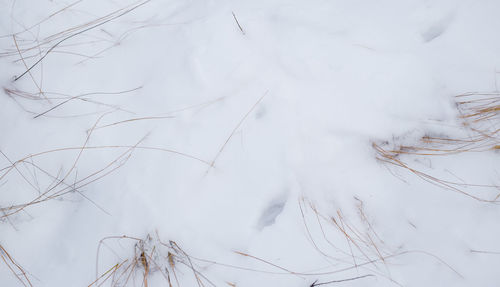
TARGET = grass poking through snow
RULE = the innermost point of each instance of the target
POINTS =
(479, 116)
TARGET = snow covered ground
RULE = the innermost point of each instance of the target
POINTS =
(230, 143)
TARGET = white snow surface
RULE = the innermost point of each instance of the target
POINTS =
(187, 129)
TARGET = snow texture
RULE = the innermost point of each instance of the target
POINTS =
(240, 132)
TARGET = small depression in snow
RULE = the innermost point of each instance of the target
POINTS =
(437, 29)
(271, 212)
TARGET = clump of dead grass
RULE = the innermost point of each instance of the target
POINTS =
(479, 117)
(151, 257)
(349, 244)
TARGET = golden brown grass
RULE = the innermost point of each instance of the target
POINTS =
(349, 245)
(175, 267)
(479, 117)
(151, 257)
(16, 268)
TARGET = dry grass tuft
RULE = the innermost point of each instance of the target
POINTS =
(479, 116)
(349, 245)
(59, 185)
(48, 185)
(151, 256)
(348, 248)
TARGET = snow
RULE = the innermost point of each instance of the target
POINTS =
(182, 128)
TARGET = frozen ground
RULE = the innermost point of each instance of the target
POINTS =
(240, 132)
